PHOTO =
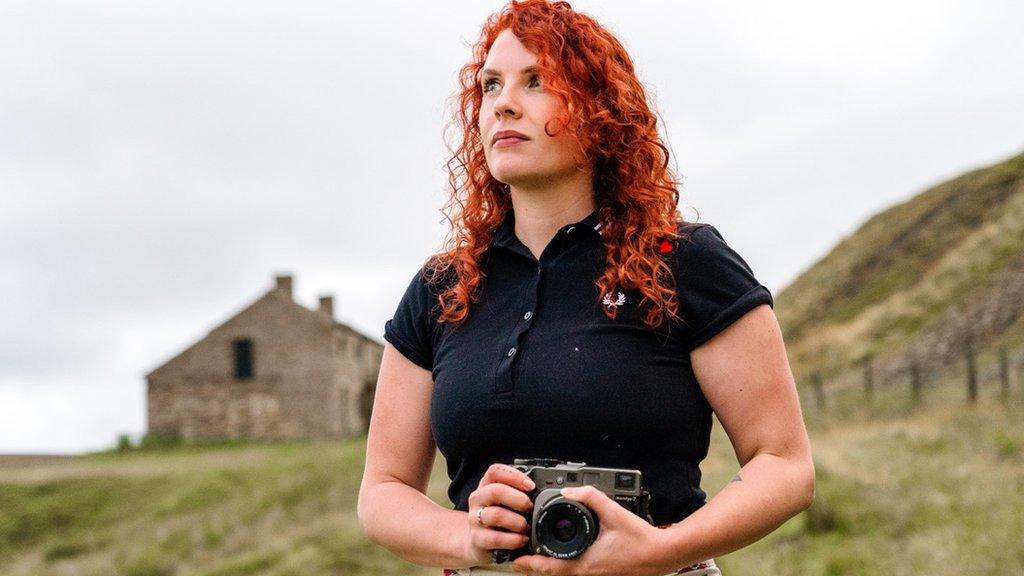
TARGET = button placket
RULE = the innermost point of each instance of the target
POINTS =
(504, 381)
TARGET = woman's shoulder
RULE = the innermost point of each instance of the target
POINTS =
(692, 238)
(690, 232)
(700, 249)
(715, 284)
(438, 273)
(435, 273)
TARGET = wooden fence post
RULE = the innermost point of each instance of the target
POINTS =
(915, 383)
(819, 392)
(1020, 380)
(1004, 375)
(869, 379)
(972, 370)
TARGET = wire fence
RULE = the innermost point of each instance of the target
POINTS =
(905, 383)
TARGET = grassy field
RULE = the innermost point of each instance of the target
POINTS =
(935, 491)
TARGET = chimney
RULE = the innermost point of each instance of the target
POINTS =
(327, 306)
(284, 284)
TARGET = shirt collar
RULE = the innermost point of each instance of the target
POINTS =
(506, 233)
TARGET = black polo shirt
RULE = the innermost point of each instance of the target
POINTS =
(536, 370)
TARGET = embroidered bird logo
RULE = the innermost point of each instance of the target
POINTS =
(619, 300)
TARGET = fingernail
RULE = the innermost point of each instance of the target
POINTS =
(570, 492)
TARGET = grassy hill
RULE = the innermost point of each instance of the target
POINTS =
(938, 492)
(915, 278)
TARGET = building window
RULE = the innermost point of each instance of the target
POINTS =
(243, 359)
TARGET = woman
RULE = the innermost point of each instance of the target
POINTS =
(573, 315)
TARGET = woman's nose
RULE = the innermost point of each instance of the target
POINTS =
(505, 104)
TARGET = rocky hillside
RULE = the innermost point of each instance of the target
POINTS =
(917, 281)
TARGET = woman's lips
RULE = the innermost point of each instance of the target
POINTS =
(507, 142)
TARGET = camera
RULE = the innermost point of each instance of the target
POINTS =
(564, 528)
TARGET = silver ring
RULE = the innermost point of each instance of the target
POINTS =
(478, 518)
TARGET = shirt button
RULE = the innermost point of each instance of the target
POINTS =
(570, 230)
(528, 315)
(511, 351)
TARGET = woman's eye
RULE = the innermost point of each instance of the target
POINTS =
(534, 82)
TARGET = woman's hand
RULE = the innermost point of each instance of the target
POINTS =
(625, 544)
(502, 487)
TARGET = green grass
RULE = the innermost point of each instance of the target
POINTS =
(222, 508)
(935, 490)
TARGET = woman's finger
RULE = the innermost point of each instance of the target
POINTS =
(505, 495)
(501, 517)
(497, 540)
(497, 494)
(506, 474)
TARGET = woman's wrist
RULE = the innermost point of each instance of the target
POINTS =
(668, 550)
(459, 545)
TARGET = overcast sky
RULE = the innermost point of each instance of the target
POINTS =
(161, 161)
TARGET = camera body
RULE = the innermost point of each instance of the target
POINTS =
(564, 528)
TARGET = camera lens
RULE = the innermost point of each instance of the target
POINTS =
(565, 528)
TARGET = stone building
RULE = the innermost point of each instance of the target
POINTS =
(276, 369)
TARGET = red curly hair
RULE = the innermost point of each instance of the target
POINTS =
(606, 110)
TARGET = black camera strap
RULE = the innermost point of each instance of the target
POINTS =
(645, 506)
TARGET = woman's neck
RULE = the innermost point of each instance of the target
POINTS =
(539, 217)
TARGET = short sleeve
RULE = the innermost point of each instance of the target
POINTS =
(715, 285)
(412, 327)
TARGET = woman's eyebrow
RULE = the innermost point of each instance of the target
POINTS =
(492, 72)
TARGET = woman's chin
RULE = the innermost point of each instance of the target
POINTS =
(517, 175)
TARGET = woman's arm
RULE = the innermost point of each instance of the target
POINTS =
(393, 509)
(745, 375)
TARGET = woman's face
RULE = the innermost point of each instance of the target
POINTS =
(515, 99)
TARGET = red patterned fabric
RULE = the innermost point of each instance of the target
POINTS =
(694, 568)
